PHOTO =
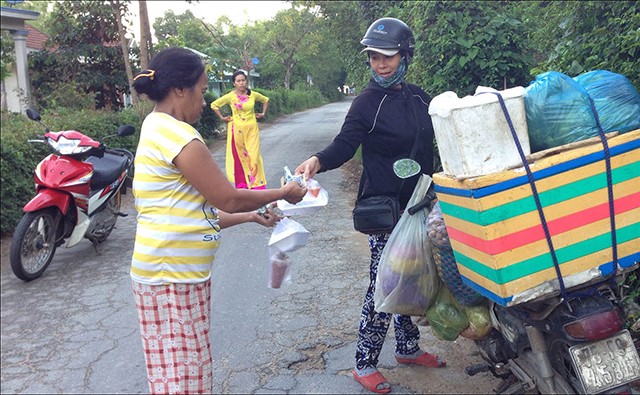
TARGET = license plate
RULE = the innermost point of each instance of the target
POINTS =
(607, 363)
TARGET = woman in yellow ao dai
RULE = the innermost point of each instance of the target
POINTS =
(243, 161)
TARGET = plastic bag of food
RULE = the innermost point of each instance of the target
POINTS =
(446, 317)
(315, 198)
(288, 235)
(278, 269)
(313, 187)
(479, 322)
(407, 281)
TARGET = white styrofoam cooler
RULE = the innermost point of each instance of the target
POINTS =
(473, 134)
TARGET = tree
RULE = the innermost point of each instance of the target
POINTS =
(87, 59)
(461, 45)
(291, 35)
(576, 37)
(235, 48)
(184, 30)
(119, 11)
(146, 42)
(240, 40)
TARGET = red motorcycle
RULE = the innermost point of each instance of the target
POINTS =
(78, 195)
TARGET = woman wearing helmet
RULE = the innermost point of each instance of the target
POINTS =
(387, 119)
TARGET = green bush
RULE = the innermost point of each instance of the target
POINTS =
(68, 95)
(209, 122)
(18, 158)
(284, 102)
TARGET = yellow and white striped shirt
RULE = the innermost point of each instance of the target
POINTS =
(178, 232)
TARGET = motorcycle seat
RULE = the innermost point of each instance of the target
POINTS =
(106, 169)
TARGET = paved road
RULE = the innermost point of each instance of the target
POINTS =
(74, 330)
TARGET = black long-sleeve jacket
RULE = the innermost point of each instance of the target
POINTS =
(385, 123)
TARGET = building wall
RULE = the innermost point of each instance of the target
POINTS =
(11, 94)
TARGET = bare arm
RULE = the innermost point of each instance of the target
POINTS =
(228, 220)
(199, 168)
(265, 105)
(216, 104)
(222, 118)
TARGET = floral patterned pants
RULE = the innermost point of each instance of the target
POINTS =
(374, 325)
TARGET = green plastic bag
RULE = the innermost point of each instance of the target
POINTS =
(558, 112)
(615, 98)
(479, 322)
(446, 317)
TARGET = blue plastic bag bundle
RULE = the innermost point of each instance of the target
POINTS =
(558, 111)
(615, 99)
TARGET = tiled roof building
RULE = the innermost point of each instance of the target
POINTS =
(35, 39)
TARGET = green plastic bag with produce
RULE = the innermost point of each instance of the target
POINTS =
(446, 316)
(479, 322)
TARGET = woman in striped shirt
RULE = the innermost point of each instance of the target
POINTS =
(183, 200)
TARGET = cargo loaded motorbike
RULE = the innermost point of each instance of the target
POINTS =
(583, 339)
(565, 345)
(78, 195)
(545, 249)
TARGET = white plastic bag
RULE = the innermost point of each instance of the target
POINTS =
(288, 235)
(316, 198)
(407, 282)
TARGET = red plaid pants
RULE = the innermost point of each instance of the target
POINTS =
(174, 328)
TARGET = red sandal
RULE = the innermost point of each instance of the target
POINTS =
(372, 382)
(426, 359)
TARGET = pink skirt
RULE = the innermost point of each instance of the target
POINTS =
(174, 328)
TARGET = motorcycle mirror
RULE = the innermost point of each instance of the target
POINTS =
(126, 130)
(33, 114)
(405, 168)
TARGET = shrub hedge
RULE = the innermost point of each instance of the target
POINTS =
(18, 158)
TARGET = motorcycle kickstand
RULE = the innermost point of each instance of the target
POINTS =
(95, 246)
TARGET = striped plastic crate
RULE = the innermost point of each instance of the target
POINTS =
(497, 235)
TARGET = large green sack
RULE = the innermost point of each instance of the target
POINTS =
(616, 100)
(558, 111)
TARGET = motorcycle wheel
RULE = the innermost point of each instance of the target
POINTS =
(563, 365)
(34, 243)
(104, 230)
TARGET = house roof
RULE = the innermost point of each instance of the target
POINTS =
(35, 39)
